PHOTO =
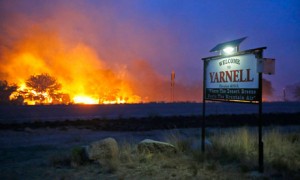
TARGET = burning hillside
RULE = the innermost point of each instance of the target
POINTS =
(83, 76)
(92, 55)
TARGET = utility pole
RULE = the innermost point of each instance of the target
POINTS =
(284, 95)
(172, 85)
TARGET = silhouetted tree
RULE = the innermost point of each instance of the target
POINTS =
(17, 100)
(43, 85)
(5, 91)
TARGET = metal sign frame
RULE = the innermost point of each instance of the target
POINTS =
(258, 53)
(227, 83)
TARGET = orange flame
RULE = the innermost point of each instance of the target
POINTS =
(82, 99)
(83, 75)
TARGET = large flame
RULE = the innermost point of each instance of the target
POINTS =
(82, 99)
(82, 74)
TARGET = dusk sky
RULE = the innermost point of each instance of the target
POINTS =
(166, 34)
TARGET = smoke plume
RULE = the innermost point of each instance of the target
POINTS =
(89, 51)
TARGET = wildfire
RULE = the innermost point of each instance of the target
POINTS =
(117, 101)
(91, 61)
(84, 77)
(81, 99)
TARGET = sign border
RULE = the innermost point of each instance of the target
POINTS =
(257, 53)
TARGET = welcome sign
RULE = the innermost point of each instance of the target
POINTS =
(233, 78)
(236, 78)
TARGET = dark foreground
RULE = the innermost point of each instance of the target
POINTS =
(44, 148)
(52, 153)
(50, 113)
(163, 122)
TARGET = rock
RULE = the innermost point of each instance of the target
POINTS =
(152, 146)
(103, 151)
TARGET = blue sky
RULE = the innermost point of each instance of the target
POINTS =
(171, 34)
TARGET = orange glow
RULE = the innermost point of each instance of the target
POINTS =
(85, 100)
(84, 76)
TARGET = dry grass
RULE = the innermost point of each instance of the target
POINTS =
(240, 146)
(183, 144)
(282, 151)
(233, 155)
